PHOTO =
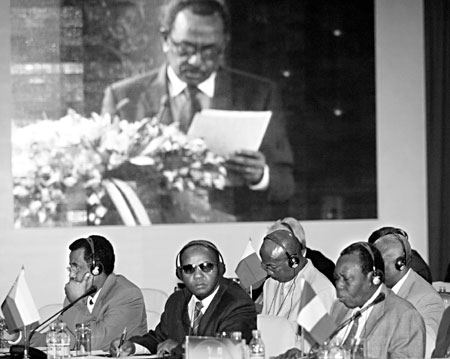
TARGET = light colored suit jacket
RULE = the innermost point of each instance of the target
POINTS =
(120, 304)
(428, 303)
(394, 329)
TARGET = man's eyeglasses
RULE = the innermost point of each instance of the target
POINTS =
(207, 52)
(73, 269)
(206, 267)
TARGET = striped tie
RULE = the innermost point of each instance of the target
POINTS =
(348, 341)
(197, 317)
(190, 107)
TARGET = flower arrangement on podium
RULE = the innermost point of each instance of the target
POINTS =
(71, 171)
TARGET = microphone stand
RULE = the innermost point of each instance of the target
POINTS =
(377, 300)
(16, 350)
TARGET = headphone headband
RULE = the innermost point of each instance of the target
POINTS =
(203, 243)
(96, 265)
(91, 244)
(293, 259)
(377, 274)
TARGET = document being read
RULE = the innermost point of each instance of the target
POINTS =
(225, 132)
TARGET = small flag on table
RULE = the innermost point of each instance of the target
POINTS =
(18, 307)
(313, 315)
(249, 269)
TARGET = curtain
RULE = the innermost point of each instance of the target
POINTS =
(437, 50)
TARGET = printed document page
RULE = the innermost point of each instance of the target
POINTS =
(225, 132)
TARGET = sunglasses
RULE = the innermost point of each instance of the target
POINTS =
(205, 267)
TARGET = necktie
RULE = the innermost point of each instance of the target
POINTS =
(348, 341)
(197, 317)
(190, 108)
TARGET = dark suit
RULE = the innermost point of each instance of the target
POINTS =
(230, 310)
(420, 266)
(234, 90)
(443, 336)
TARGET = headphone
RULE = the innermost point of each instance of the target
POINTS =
(377, 276)
(401, 236)
(96, 265)
(400, 262)
(207, 244)
(293, 259)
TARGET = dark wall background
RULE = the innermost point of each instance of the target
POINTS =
(321, 53)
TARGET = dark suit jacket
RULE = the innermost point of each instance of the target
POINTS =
(420, 266)
(394, 329)
(231, 310)
(322, 263)
(234, 90)
(443, 336)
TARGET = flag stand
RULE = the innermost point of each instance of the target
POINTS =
(26, 343)
(302, 342)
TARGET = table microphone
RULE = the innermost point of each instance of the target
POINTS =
(377, 300)
(16, 351)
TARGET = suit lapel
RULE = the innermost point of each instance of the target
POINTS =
(150, 100)
(106, 288)
(210, 313)
(185, 311)
(405, 289)
(375, 315)
(223, 95)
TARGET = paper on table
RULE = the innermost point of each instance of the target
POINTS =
(225, 132)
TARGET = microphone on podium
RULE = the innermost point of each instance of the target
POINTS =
(16, 351)
(380, 297)
(163, 104)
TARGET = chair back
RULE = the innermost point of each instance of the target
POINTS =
(47, 311)
(277, 333)
(153, 319)
(154, 299)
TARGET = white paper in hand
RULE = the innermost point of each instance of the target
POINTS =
(225, 132)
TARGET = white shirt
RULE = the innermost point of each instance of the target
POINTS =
(399, 284)
(91, 300)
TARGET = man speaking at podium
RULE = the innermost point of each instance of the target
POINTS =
(116, 304)
(209, 304)
(195, 34)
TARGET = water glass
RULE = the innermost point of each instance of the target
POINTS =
(83, 339)
(3, 329)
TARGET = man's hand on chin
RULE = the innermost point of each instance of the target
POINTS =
(245, 167)
(76, 289)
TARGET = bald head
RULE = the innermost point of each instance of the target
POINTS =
(277, 252)
(396, 263)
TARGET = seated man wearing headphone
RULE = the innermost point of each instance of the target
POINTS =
(406, 283)
(209, 304)
(115, 304)
(282, 258)
(392, 327)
